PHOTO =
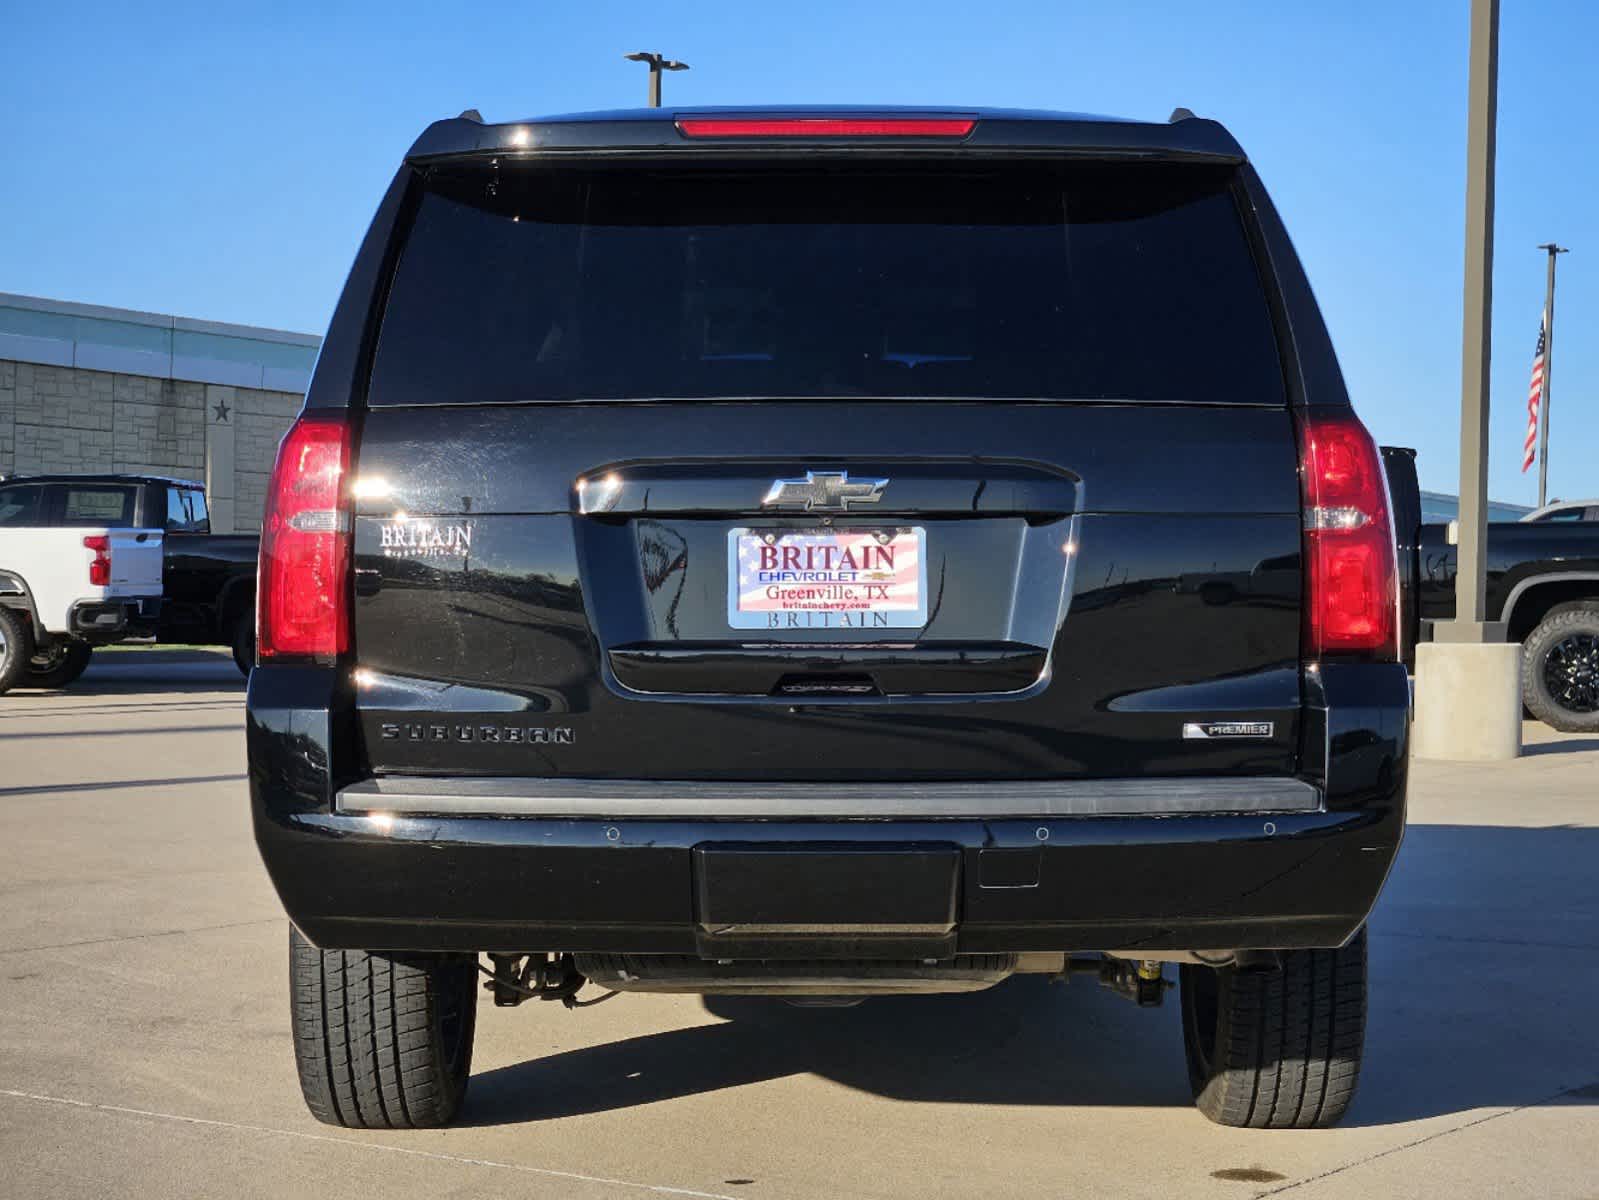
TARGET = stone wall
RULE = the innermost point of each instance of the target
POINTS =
(260, 419)
(77, 420)
(8, 414)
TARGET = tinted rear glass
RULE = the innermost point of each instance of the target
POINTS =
(1018, 282)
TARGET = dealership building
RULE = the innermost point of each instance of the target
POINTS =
(90, 389)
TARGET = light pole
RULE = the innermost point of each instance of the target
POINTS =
(658, 63)
(1548, 360)
(1468, 678)
(1470, 624)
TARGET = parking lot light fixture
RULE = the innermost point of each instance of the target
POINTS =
(657, 63)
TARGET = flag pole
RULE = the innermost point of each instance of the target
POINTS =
(1548, 369)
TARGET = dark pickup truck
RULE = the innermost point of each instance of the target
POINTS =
(1543, 584)
(207, 579)
(820, 554)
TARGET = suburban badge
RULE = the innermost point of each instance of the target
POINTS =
(455, 731)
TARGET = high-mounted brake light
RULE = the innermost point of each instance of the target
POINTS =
(302, 594)
(100, 564)
(1351, 573)
(809, 127)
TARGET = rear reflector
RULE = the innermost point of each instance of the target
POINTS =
(100, 565)
(302, 595)
(809, 127)
(1351, 572)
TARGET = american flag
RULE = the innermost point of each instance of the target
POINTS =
(1529, 449)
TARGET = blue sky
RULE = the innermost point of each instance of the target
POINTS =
(221, 161)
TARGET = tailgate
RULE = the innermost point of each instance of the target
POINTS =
(1087, 598)
(135, 562)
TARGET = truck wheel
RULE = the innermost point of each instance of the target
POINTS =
(58, 664)
(382, 1042)
(1560, 669)
(16, 647)
(244, 644)
(1277, 1049)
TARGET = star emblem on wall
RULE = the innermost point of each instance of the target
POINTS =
(221, 410)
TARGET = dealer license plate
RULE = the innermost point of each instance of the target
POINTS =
(827, 579)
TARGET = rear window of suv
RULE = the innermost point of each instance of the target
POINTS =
(1013, 282)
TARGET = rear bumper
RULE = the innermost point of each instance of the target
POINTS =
(879, 888)
(771, 871)
(114, 619)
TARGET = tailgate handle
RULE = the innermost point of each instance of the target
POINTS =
(861, 670)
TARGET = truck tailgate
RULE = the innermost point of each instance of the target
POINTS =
(135, 563)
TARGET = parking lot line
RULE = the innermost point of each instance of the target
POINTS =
(1554, 1098)
(133, 937)
(379, 1147)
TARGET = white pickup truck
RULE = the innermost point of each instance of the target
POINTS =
(76, 570)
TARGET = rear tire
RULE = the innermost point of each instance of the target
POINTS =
(244, 644)
(1560, 669)
(381, 1042)
(1277, 1049)
(58, 664)
(16, 648)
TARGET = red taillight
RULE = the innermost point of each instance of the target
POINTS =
(100, 564)
(302, 600)
(1351, 574)
(806, 127)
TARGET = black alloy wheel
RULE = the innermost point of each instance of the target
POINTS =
(1571, 672)
(1560, 669)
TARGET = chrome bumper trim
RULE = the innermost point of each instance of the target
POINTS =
(604, 799)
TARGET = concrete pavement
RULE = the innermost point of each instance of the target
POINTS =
(144, 1043)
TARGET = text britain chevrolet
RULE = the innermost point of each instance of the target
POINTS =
(823, 554)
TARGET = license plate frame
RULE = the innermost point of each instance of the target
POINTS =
(844, 598)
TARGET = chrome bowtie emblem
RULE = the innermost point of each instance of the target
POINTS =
(823, 491)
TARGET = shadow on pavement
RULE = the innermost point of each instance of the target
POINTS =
(45, 706)
(122, 672)
(1024, 1042)
(1485, 958)
(45, 789)
(1566, 745)
(134, 731)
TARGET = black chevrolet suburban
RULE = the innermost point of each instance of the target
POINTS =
(821, 554)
